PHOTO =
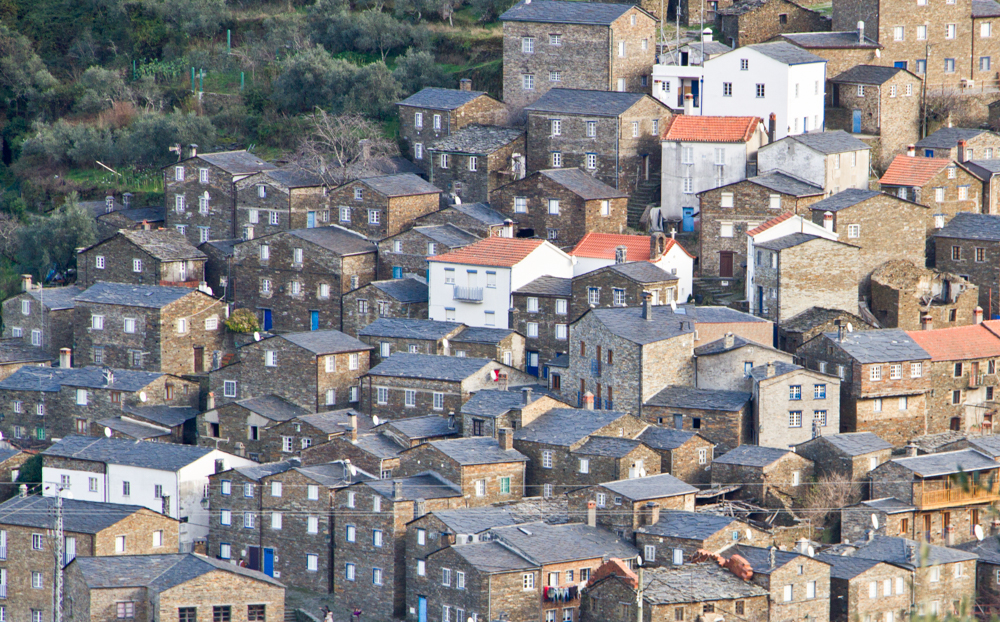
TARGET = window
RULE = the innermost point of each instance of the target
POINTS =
(949, 31)
(875, 373)
(958, 370)
(963, 191)
(374, 216)
(795, 392)
(37, 542)
(36, 580)
(256, 613)
(528, 581)
(473, 163)
(409, 398)
(528, 82)
(350, 534)
(418, 120)
(520, 207)
(725, 230)
(727, 89)
(490, 318)
(949, 65)
(528, 45)
(593, 296)
(744, 64)
(229, 388)
(760, 91)
(556, 127)
(795, 419)
(621, 49)
(854, 231)
(635, 129)
(591, 129)
(553, 206)
(179, 203)
(532, 329)
(556, 159)
(592, 164)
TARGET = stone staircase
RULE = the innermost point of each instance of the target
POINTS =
(290, 615)
(647, 192)
(715, 290)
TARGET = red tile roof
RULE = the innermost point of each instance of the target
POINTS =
(770, 223)
(912, 171)
(711, 129)
(956, 344)
(493, 251)
(603, 245)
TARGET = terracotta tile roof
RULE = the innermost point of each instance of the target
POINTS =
(603, 245)
(911, 171)
(770, 223)
(711, 129)
(956, 344)
(493, 251)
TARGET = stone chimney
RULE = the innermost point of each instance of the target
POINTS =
(505, 438)
(621, 254)
(25, 282)
(770, 370)
(508, 228)
(588, 401)
(22, 490)
(977, 313)
(828, 221)
(192, 150)
(961, 150)
(592, 513)
(127, 200)
(647, 306)
(525, 396)
(927, 321)
(772, 127)
(397, 489)
(352, 420)
(465, 84)
(65, 358)
(911, 151)
(861, 32)
(840, 329)
(210, 401)
(354, 434)
(911, 451)
(729, 340)
(871, 534)
(651, 513)
(451, 420)
(365, 147)
(657, 246)
(688, 104)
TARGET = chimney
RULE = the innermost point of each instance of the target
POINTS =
(621, 254)
(840, 329)
(146, 226)
(508, 228)
(25, 282)
(861, 32)
(871, 534)
(352, 419)
(588, 401)
(192, 150)
(22, 490)
(354, 434)
(647, 306)
(652, 513)
(592, 513)
(688, 104)
(772, 127)
(210, 401)
(397, 489)
(365, 147)
(911, 151)
(505, 437)
(525, 396)
(828, 221)
(802, 545)
(419, 507)
(127, 200)
(961, 150)
(445, 347)
(911, 451)
(729, 340)
(927, 321)
(657, 246)
(65, 358)
(451, 421)
(465, 84)
(770, 370)
(706, 36)
(977, 313)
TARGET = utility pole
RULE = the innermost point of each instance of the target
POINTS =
(923, 103)
(60, 536)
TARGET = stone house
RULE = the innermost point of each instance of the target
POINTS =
(680, 534)
(317, 370)
(689, 13)
(725, 364)
(244, 427)
(684, 454)
(861, 588)
(704, 152)
(490, 410)
(278, 200)
(406, 253)
(315, 429)
(757, 21)
(369, 543)
(884, 378)
(969, 246)
(41, 316)
(387, 336)
(292, 279)
(778, 227)
(11, 461)
(561, 204)
(613, 136)
(580, 447)
(960, 144)
(176, 330)
(877, 101)
(161, 257)
(625, 505)
(769, 476)
(370, 451)
(477, 218)
(380, 207)
(622, 285)
(414, 431)
(797, 584)
(986, 171)
(168, 587)
(895, 518)
(413, 385)
(903, 294)
(15, 354)
(474, 161)
(834, 160)
(169, 424)
(673, 593)
(842, 49)
(814, 321)
(199, 192)
(540, 312)
(219, 266)
(798, 271)
(432, 114)
(720, 416)
(501, 344)
(987, 565)
(732, 211)
(543, 45)
(148, 217)
(963, 373)
(851, 455)
(597, 250)
(487, 471)
(404, 298)
(792, 404)
(28, 563)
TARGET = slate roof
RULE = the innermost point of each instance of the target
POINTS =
(273, 407)
(135, 429)
(325, 341)
(440, 99)
(985, 8)
(448, 234)
(145, 296)
(482, 334)
(650, 487)
(481, 212)
(989, 445)
(708, 129)
(56, 298)
(156, 572)
(968, 226)
(820, 40)
(258, 472)
(429, 367)
(947, 463)
(642, 272)
(332, 474)
(163, 244)
(677, 396)
(908, 553)
(477, 520)
(585, 186)
(780, 369)
(975, 341)
(236, 162)
(627, 323)
(752, 455)
(407, 328)
(429, 426)
(983, 169)
(579, 101)
(337, 239)
(168, 416)
(608, 446)
(566, 426)
(406, 289)
(378, 445)
(789, 241)
(909, 171)
(225, 247)
(665, 439)
(49, 379)
(158, 456)
(760, 558)
(477, 139)
(78, 516)
(719, 346)
(695, 583)
(988, 550)
(551, 544)
(400, 185)
(7, 451)
(477, 450)
(492, 403)
(786, 53)
(889, 505)
(294, 176)
(15, 350)
(336, 421)
(141, 214)
(948, 137)
(492, 251)
(856, 443)
(29, 378)
(560, 360)
(548, 286)
(786, 184)
(836, 141)
(868, 74)
(844, 567)
(843, 199)
(767, 224)
(879, 346)
(565, 12)
(688, 525)
(492, 557)
(603, 245)
(816, 316)
(426, 485)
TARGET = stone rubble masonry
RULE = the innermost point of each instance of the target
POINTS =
(289, 206)
(341, 448)
(798, 573)
(606, 280)
(189, 218)
(984, 274)
(685, 463)
(360, 307)
(773, 405)
(510, 347)
(717, 542)
(547, 345)
(395, 214)
(483, 110)
(425, 457)
(725, 429)
(772, 486)
(899, 290)
(817, 273)
(959, 387)
(493, 170)
(727, 371)
(56, 326)
(621, 514)
(412, 255)
(221, 587)
(739, 27)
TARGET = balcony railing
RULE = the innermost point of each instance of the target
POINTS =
(468, 294)
(931, 499)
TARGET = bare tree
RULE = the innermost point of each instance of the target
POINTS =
(10, 227)
(345, 147)
(828, 495)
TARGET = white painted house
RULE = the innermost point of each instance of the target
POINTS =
(679, 71)
(597, 250)
(779, 227)
(768, 78)
(164, 477)
(473, 284)
(701, 153)
(834, 160)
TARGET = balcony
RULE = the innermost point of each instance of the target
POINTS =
(956, 496)
(468, 294)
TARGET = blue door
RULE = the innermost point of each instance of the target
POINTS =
(532, 366)
(269, 562)
(687, 220)
(314, 320)
(899, 64)
(695, 90)
(310, 220)
(266, 313)
(397, 272)
(421, 609)
(928, 153)
(856, 122)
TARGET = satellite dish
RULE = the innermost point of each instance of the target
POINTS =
(66, 494)
(810, 551)
(638, 560)
(749, 536)
(1, 436)
(142, 396)
(374, 419)
(673, 305)
(978, 530)
(256, 336)
(850, 327)
(353, 469)
(875, 521)
(107, 432)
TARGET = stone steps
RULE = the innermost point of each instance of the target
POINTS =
(643, 195)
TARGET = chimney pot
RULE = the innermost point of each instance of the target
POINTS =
(927, 321)
(770, 370)
(352, 419)
(772, 127)
(647, 307)
(911, 451)
(729, 340)
(828, 221)
(706, 36)
(525, 395)
(978, 315)
(25, 282)
(397, 489)
(192, 150)
(65, 358)
(465, 84)
(911, 151)
(961, 150)
(505, 438)
(861, 32)
(588, 401)
(621, 254)
(22, 490)
(652, 513)
(210, 401)
(592, 514)
(688, 104)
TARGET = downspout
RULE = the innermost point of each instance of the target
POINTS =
(618, 154)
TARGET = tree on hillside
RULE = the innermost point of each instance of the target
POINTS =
(49, 243)
(341, 148)
(375, 92)
(416, 70)
(312, 79)
(22, 73)
(376, 31)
